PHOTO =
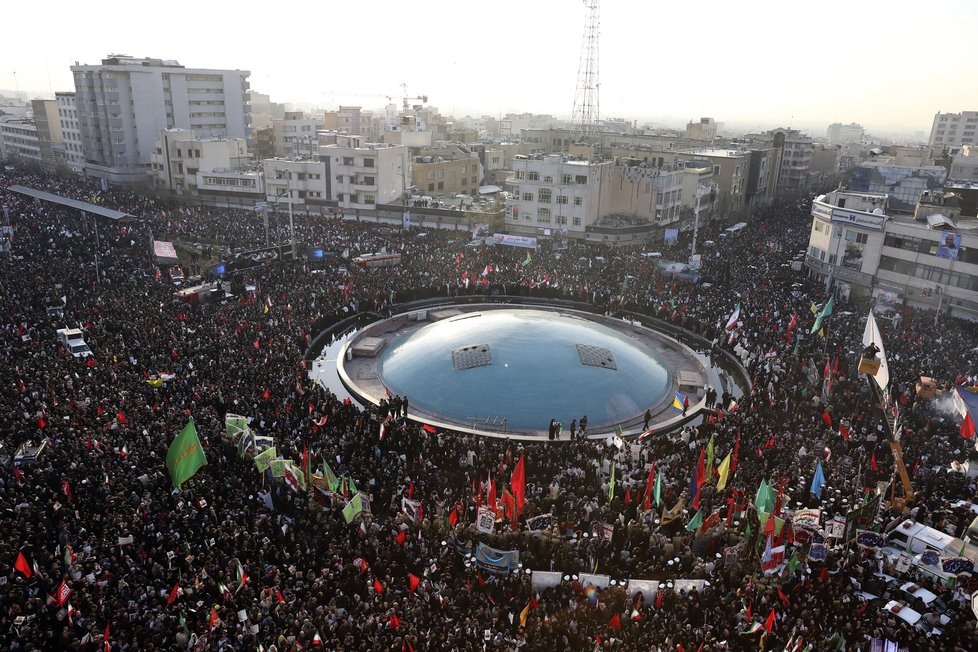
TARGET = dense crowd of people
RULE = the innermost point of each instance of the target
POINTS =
(238, 560)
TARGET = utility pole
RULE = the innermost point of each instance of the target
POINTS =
(700, 191)
(291, 225)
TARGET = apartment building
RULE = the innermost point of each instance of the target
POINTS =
(929, 262)
(446, 171)
(124, 102)
(20, 142)
(363, 175)
(74, 155)
(954, 129)
(704, 129)
(179, 156)
(295, 135)
(840, 134)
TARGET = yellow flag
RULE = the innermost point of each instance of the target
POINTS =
(524, 614)
(723, 470)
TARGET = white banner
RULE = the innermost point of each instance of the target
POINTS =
(683, 586)
(648, 588)
(545, 579)
(597, 581)
(486, 520)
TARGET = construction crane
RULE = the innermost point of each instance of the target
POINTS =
(406, 99)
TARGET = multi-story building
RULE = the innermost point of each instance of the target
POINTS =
(363, 175)
(20, 141)
(124, 102)
(840, 134)
(607, 201)
(74, 155)
(954, 129)
(964, 165)
(295, 135)
(179, 156)
(929, 263)
(731, 170)
(903, 184)
(446, 171)
(795, 158)
(305, 181)
(49, 135)
(704, 129)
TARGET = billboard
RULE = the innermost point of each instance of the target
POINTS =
(858, 219)
(514, 240)
(948, 246)
(256, 257)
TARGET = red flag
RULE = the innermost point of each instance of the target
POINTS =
(122, 418)
(769, 623)
(267, 395)
(647, 503)
(615, 623)
(395, 623)
(378, 587)
(214, 620)
(769, 525)
(413, 581)
(492, 494)
(736, 451)
(453, 516)
(66, 488)
(105, 639)
(784, 598)
(827, 419)
(411, 490)
(278, 594)
(401, 537)
(701, 469)
(968, 426)
(63, 592)
(518, 482)
(22, 565)
(430, 429)
(844, 432)
(872, 462)
(41, 423)
(658, 599)
(173, 594)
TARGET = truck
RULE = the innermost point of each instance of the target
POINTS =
(74, 342)
(367, 261)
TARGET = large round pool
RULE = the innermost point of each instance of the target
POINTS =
(524, 367)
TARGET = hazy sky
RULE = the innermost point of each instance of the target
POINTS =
(887, 65)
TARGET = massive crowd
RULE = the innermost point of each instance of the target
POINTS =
(238, 561)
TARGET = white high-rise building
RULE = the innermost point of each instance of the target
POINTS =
(954, 129)
(71, 131)
(125, 102)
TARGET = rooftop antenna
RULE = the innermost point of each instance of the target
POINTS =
(586, 113)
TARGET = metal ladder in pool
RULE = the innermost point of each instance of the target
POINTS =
(493, 422)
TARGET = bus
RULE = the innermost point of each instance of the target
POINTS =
(377, 260)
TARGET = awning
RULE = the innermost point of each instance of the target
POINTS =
(94, 209)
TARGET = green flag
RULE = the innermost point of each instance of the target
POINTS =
(760, 500)
(278, 466)
(183, 623)
(709, 460)
(352, 485)
(697, 521)
(658, 489)
(793, 562)
(331, 480)
(263, 458)
(826, 312)
(235, 424)
(529, 259)
(748, 533)
(611, 485)
(185, 456)
(352, 508)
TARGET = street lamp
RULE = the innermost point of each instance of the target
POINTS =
(700, 191)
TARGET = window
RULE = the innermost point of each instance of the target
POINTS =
(368, 181)
(533, 176)
(543, 196)
(566, 179)
(368, 163)
(548, 179)
(520, 174)
(543, 216)
(857, 237)
(527, 196)
(577, 221)
(441, 185)
(578, 201)
(347, 160)
(474, 169)
(561, 219)
(441, 174)
(465, 181)
(581, 179)
(562, 199)
(716, 168)
(431, 186)
(431, 174)
(369, 199)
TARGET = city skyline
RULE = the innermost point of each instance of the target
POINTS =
(800, 67)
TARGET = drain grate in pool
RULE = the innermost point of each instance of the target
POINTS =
(596, 356)
(469, 357)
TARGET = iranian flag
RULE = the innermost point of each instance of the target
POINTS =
(291, 477)
(242, 575)
(734, 318)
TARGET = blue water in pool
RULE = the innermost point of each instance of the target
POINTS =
(535, 373)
